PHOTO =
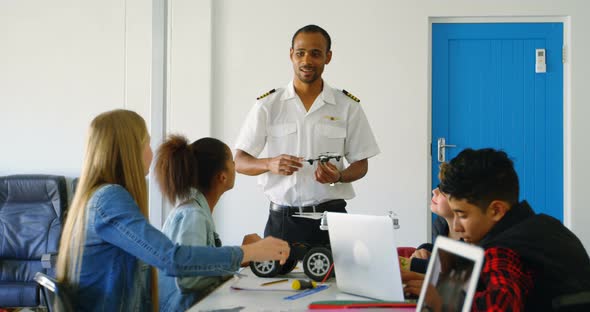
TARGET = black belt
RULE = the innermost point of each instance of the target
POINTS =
(325, 206)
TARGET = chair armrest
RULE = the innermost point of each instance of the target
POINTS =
(48, 261)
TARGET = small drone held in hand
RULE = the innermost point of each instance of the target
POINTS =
(324, 158)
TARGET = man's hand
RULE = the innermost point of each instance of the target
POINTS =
(266, 249)
(327, 173)
(420, 254)
(284, 164)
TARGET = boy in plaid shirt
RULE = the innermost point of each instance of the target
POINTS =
(530, 259)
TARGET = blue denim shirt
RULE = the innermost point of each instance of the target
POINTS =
(190, 224)
(119, 240)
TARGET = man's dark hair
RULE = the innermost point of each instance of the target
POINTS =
(313, 29)
(480, 177)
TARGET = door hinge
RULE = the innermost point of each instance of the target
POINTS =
(563, 55)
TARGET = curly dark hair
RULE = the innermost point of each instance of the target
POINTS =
(181, 166)
(480, 177)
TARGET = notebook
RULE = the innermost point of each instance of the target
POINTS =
(452, 275)
(365, 256)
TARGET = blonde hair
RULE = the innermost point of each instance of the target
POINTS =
(114, 155)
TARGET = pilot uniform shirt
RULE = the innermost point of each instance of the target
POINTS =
(334, 124)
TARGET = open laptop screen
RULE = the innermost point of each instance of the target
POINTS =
(365, 255)
(452, 276)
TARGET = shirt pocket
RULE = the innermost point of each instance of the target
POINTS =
(332, 132)
(330, 139)
(281, 130)
(282, 139)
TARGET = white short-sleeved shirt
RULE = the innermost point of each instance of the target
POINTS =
(334, 124)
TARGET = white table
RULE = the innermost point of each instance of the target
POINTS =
(226, 299)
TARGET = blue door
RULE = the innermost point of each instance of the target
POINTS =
(488, 92)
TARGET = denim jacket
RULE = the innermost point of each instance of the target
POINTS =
(190, 224)
(119, 240)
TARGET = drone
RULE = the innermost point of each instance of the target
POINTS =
(324, 158)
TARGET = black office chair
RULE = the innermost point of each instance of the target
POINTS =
(74, 185)
(54, 295)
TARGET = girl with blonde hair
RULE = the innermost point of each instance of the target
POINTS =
(107, 242)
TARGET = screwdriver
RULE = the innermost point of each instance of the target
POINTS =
(300, 284)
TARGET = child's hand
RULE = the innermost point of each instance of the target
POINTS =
(410, 276)
(266, 249)
(420, 254)
(249, 239)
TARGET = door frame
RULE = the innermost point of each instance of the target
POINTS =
(567, 105)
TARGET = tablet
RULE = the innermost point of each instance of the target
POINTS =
(452, 275)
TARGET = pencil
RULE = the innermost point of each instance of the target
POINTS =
(275, 282)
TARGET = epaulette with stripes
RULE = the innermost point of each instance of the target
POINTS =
(266, 94)
(354, 98)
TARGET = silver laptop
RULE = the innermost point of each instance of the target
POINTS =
(452, 275)
(365, 256)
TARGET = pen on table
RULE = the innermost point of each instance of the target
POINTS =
(274, 282)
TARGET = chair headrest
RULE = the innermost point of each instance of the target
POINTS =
(34, 188)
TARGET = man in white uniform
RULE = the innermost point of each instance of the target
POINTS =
(304, 120)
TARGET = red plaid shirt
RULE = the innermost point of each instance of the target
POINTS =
(506, 282)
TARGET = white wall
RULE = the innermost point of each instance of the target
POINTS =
(63, 62)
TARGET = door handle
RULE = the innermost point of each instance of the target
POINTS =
(441, 149)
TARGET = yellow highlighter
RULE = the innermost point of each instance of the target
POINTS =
(300, 284)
